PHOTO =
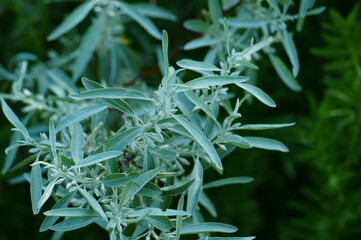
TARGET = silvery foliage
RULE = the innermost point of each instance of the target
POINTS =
(121, 157)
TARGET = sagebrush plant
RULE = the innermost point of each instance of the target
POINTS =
(129, 157)
(331, 204)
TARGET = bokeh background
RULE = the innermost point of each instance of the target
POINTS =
(312, 192)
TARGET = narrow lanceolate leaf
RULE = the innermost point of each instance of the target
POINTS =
(80, 115)
(88, 44)
(118, 104)
(177, 188)
(258, 93)
(47, 192)
(196, 25)
(227, 181)
(179, 219)
(118, 179)
(215, 10)
(209, 81)
(148, 161)
(197, 65)
(150, 190)
(200, 42)
(73, 223)
(202, 141)
(77, 143)
(141, 181)
(71, 212)
(247, 22)
(154, 11)
(97, 158)
(94, 204)
(165, 52)
(264, 126)
(274, 5)
(194, 191)
(36, 184)
(208, 204)
(237, 141)
(161, 222)
(10, 155)
(50, 220)
(284, 73)
(145, 22)
(156, 212)
(208, 227)
(72, 20)
(10, 115)
(266, 143)
(291, 50)
(52, 138)
(122, 139)
(110, 93)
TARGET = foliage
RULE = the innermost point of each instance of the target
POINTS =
(331, 206)
(124, 155)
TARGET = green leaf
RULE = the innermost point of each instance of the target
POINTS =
(155, 11)
(194, 98)
(186, 108)
(73, 223)
(150, 190)
(93, 203)
(148, 162)
(258, 93)
(227, 181)
(165, 52)
(208, 227)
(156, 212)
(284, 73)
(140, 19)
(97, 158)
(77, 143)
(36, 185)
(207, 204)
(196, 25)
(47, 192)
(247, 64)
(237, 141)
(118, 104)
(110, 93)
(11, 154)
(194, 191)
(121, 140)
(73, 19)
(88, 44)
(247, 22)
(177, 189)
(291, 50)
(10, 115)
(197, 65)
(141, 182)
(50, 220)
(179, 219)
(161, 222)
(200, 42)
(71, 212)
(202, 141)
(228, 238)
(61, 79)
(305, 6)
(215, 10)
(206, 82)
(266, 143)
(264, 126)
(24, 162)
(274, 5)
(79, 116)
(52, 138)
(118, 179)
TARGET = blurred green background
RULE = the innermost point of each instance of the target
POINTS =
(312, 192)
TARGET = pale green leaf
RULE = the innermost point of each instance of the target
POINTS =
(154, 11)
(156, 212)
(247, 22)
(77, 143)
(121, 140)
(73, 19)
(110, 93)
(137, 16)
(36, 184)
(73, 223)
(165, 52)
(94, 204)
(177, 189)
(202, 141)
(228, 238)
(161, 222)
(200, 42)
(179, 219)
(97, 158)
(10, 115)
(194, 191)
(274, 5)
(197, 65)
(291, 50)
(196, 25)
(237, 141)
(47, 192)
(258, 93)
(207, 227)
(215, 10)
(228, 181)
(284, 73)
(207, 204)
(150, 190)
(264, 126)
(71, 212)
(266, 143)
(118, 179)
(206, 82)
(80, 115)
(141, 181)
(148, 162)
